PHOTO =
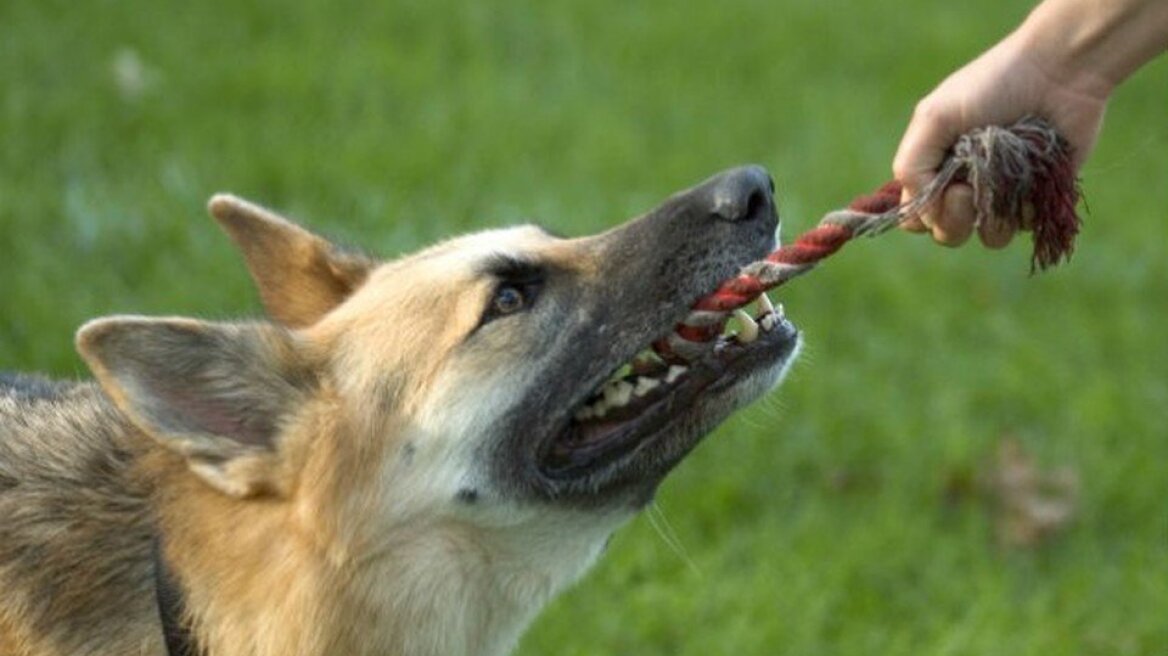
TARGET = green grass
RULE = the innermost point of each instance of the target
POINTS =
(392, 124)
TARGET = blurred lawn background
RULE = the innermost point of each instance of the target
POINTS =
(843, 515)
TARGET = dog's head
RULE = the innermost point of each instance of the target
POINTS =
(504, 368)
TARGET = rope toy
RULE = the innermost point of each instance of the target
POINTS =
(1021, 176)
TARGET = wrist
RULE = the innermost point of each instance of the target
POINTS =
(1060, 58)
(1090, 46)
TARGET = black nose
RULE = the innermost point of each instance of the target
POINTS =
(741, 194)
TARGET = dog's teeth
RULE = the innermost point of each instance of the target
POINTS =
(768, 321)
(764, 304)
(675, 372)
(618, 393)
(645, 385)
(584, 413)
(780, 311)
(749, 327)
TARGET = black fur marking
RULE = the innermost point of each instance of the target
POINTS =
(468, 495)
(179, 639)
(512, 269)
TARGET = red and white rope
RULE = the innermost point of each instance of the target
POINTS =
(1021, 170)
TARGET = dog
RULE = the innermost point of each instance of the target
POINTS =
(407, 457)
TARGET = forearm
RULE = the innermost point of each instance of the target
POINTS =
(1093, 45)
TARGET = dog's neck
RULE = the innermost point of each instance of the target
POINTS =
(459, 589)
(255, 588)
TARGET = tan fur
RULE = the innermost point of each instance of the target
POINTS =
(330, 567)
(304, 477)
(333, 546)
(299, 275)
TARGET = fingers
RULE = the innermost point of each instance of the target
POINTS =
(914, 224)
(937, 121)
(954, 223)
(931, 131)
(922, 149)
(958, 220)
(953, 220)
(996, 234)
(950, 220)
(920, 153)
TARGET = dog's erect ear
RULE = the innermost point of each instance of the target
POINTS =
(300, 276)
(215, 393)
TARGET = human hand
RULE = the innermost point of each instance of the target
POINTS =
(1009, 81)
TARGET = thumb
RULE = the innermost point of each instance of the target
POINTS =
(929, 135)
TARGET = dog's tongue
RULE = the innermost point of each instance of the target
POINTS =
(1022, 178)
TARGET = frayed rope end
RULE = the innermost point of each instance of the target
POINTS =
(1022, 175)
(1054, 194)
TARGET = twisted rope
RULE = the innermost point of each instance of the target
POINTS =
(1021, 176)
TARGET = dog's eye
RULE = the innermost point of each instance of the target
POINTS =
(508, 299)
(517, 285)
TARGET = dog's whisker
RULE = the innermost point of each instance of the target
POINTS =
(664, 529)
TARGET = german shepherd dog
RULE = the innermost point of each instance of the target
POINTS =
(409, 457)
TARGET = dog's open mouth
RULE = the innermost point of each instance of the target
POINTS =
(643, 397)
